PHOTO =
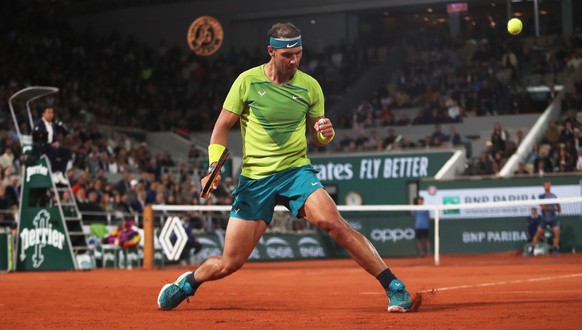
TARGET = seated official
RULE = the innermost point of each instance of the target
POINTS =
(45, 138)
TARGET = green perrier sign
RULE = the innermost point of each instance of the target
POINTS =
(43, 243)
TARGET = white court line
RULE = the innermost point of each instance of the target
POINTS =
(538, 279)
(539, 292)
(469, 286)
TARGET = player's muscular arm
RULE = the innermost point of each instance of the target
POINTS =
(312, 131)
(223, 124)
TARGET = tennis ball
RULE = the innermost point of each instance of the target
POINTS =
(514, 26)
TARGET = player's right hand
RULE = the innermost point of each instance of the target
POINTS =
(214, 184)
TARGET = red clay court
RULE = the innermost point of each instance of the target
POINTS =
(484, 292)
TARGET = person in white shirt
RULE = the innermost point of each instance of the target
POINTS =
(579, 161)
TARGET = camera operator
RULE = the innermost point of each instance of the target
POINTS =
(45, 140)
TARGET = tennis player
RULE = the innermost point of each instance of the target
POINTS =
(273, 103)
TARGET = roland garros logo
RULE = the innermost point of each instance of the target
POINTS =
(205, 36)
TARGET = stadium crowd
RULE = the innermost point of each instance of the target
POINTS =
(114, 81)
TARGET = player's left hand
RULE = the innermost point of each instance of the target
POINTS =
(324, 126)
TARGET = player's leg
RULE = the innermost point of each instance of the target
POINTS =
(427, 243)
(418, 246)
(240, 239)
(538, 235)
(556, 240)
(320, 210)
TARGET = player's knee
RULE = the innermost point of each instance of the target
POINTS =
(231, 266)
(339, 230)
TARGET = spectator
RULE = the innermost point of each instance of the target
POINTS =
(138, 204)
(438, 136)
(112, 164)
(552, 134)
(577, 140)
(124, 185)
(509, 61)
(567, 132)
(543, 164)
(574, 61)
(345, 142)
(579, 161)
(388, 140)
(12, 193)
(192, 247)
(375, 142)
(386, 116)
(7, 159)
(533, 155)
(362, 140)
(454, 112)
(498, 161)
(565, 162)
(422, 227)
(572, 118)
(518, 137)
(406, 143)
(91, 209)
(549, 218)
(497, 144)
(82, 182)
(121, 202)
(454, 138)
(498, 130)
(126, 235)
(103, 162)
(484, 166)
(521, 170)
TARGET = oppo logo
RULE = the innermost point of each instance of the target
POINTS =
(394, 235)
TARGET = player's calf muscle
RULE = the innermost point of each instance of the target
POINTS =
(341, 232)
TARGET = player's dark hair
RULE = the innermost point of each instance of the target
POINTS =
(284, 30)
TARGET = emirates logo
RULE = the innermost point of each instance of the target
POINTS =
(205, 36)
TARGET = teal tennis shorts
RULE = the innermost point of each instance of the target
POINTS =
(256, 199)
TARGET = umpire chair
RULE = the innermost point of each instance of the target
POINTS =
(46, 210)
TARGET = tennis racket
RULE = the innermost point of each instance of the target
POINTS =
(214, 174)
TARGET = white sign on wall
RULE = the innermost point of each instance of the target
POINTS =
(432, 196)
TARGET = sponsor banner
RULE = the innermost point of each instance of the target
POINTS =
(42, 242)
(507, 234)
(391, 234)
(270, 247)
(376, 179)
(433, 196)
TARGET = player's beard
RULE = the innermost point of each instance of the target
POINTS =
(288, 70)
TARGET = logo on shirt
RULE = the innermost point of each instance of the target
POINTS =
(262, 93)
